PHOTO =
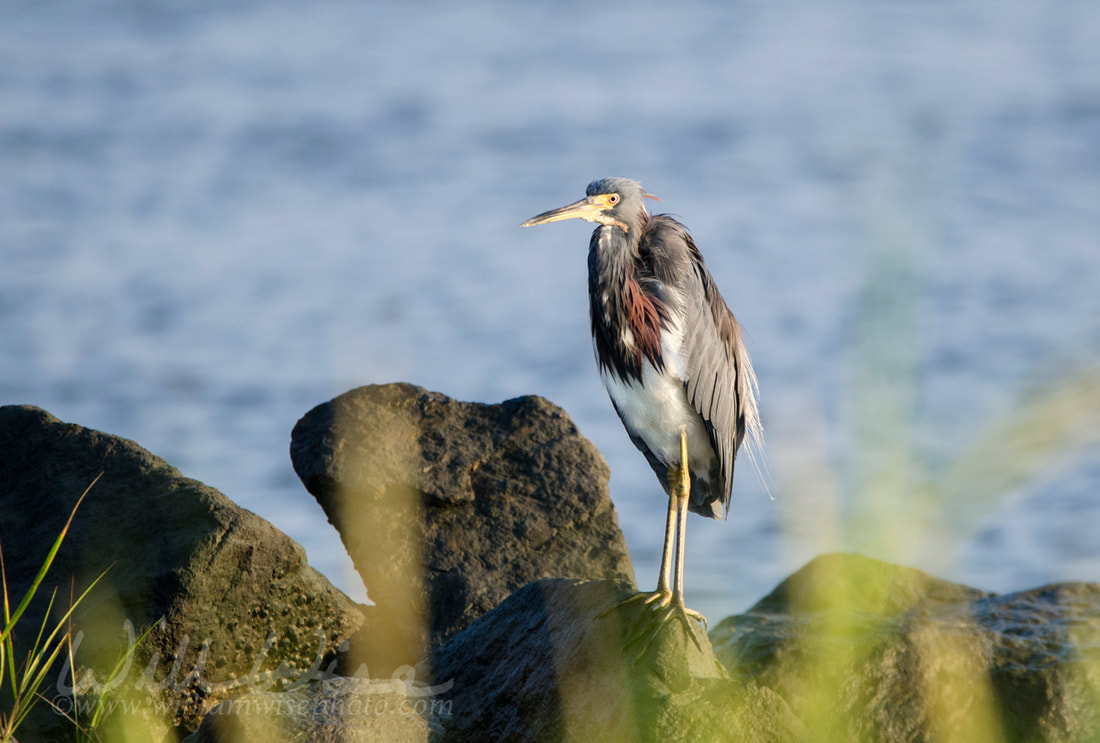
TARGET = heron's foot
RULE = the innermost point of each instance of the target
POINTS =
(686, 614)
(663, 609)
(658, 609)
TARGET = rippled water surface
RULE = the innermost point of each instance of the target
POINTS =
(214, 216)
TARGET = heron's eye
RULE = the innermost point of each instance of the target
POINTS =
(613, 199)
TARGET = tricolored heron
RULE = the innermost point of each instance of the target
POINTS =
(671, 356)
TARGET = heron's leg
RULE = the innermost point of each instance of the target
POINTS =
(664, 579)
(681, 532)
(682, 499)
(667, 602)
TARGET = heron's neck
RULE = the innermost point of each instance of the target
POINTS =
(612, 256)
(626, 320)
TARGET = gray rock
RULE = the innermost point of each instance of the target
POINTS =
(867, 651)
(235, 594)
(556, 662)
(448, 507)
(334, 710)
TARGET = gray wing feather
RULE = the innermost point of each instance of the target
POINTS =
(721, 384)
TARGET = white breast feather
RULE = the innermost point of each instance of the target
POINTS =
(658, 408)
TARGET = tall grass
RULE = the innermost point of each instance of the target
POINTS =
(24, 673)
(887, 501)
(104, 700)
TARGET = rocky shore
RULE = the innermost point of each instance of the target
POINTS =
(489, 544)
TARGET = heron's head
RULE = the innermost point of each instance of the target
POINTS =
(617, 202)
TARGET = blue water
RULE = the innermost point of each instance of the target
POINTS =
(214, 216)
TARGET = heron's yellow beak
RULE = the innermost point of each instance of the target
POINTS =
(590, 209)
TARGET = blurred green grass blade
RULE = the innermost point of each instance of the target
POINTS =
(10, 622)
(1048, 427)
